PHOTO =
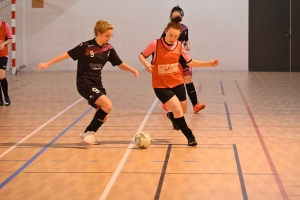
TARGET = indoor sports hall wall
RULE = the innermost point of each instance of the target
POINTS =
(217, 29)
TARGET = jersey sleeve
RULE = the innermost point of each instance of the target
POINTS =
(77, 52)
(114, 58)
(185, 55)
(150, 49)
(8, 32)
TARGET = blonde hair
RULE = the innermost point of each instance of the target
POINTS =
(102, 26)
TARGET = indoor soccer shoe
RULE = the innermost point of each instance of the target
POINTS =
(175, 127)
(89, 138)
(165, 107)
(192, 142)
(7, 101)
(198, 107)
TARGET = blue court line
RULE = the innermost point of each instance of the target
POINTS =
(228, 116)
(16, 173)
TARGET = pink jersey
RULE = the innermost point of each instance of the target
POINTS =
(151, 49)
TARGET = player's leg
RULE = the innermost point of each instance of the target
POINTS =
(190, 88)
(169, 97)
(3, 81)
(103, 105)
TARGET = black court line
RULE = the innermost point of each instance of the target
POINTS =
(221, 84)
(162, 175)
(239, 168)
(228, 116)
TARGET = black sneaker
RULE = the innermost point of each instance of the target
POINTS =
(1, 102)
(175, 127)
(7, 101)
(192, 142)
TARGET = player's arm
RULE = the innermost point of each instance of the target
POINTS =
(3, 44)
(149, 50)
(6, 42)
(146, 64)
(198, 63)
(126, 67)
(54, 60)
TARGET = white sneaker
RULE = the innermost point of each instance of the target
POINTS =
(89, 138)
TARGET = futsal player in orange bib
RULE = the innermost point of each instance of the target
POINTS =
(177, 12)
(167, 75)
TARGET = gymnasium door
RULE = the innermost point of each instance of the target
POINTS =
(295, 47)
(269, 38)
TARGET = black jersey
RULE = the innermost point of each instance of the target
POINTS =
(184, 35)
(91, 60)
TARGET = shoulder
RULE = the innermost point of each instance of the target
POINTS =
(87, 43)
(183, 27)
(108, 46)
(6, 25)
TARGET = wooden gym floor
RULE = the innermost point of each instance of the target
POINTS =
(248, 135)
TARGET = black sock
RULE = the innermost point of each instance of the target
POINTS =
(4, 86)
(190, 88)
(181, 123)
(97, 121)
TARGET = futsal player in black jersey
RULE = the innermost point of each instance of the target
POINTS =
(91, 57)
(178, 13)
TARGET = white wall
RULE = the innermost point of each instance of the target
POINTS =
(217, 29)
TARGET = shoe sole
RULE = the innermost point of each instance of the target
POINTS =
(80, 135)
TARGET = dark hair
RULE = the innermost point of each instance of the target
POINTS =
(174, 23)
(177, 9)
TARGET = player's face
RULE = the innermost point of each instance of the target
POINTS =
(172, 35)
(176, 14)
(105, 37)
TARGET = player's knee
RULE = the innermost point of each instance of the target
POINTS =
(177, 111)
(107, 107)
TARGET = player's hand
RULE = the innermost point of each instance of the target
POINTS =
(135, 73)
(42, 66)
(214, 62)
(149, 68)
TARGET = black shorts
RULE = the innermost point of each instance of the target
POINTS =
(165, 94)
(91, 93)
(3, 62)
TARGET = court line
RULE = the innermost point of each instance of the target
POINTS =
(39, 128)
(125, 156)
(240, 173)
(221, 84)
(263, 145)
(163, 173)
(228, 116)
(16, 173)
